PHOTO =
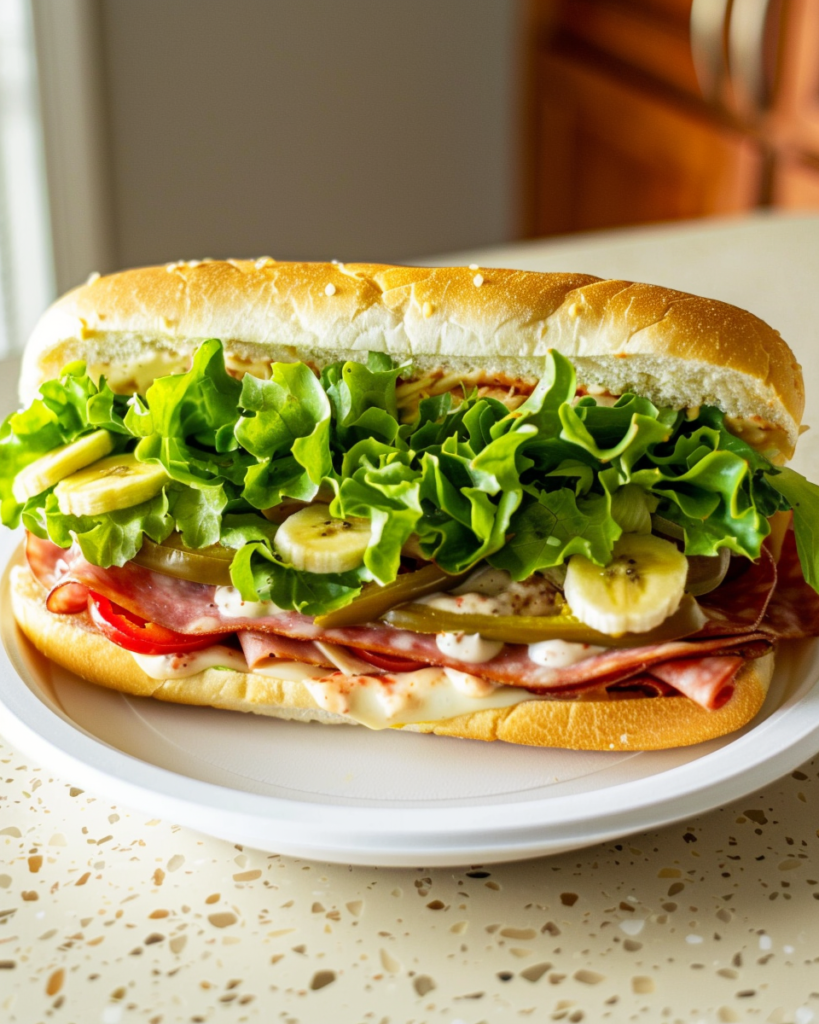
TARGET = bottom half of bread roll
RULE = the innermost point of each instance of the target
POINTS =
(635, 723)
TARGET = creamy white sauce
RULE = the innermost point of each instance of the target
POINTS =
(560, 653)
(179, 666)
(493, 592)
(468, 647)
(485, 581)
(233, 606)
(427, 695)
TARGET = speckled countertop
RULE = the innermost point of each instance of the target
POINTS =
(109, 916)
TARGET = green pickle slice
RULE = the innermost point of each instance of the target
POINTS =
(531, 629)
(171, 558)
(375, 600)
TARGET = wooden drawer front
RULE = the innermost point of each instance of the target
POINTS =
(611, 155)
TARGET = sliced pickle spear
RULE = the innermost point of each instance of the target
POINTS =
(209, 565)
(59, 463)
(119, 481)
(375, 600)
(531, 629)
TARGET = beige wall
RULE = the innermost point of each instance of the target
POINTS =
(350, 129)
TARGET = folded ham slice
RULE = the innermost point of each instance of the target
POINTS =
(259, 647)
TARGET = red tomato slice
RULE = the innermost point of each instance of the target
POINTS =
(138, 635)
(387, 661)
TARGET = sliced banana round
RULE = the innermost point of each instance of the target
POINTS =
(119, 481)
(643, 585)
(313, 540)
(59, 463)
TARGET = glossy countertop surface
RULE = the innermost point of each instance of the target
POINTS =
(109, 915)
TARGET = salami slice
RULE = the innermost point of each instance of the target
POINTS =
(793, 611)
(67, 598)
(639, 686)
(48, 563)
(708, 681)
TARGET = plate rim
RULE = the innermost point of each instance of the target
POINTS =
(408, 835)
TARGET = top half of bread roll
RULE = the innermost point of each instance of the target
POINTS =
(487, 325)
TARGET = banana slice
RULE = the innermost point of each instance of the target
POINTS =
(312, 540)
(119, 481)
(639, 589)
(49, 469)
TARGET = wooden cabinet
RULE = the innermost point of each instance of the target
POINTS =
(793, 118)
(611, 154)
(633, 121)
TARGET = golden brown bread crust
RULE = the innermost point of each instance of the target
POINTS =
(635, 724)
(676, 349)
(647, 723)
(75, 643)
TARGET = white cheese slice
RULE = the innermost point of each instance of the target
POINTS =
(378, 702)
(404, 698)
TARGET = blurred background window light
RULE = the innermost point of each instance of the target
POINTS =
(26, 274)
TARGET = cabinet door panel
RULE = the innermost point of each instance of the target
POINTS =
(611, 155)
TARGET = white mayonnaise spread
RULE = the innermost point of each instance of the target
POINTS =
(177, 666)
(468, 647)
(560, 653)
(233, 606)
(493, 592)
(427, 695)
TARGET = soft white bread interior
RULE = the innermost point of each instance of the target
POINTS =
(632, 724)
(676, 349)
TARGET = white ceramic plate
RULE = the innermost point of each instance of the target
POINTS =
(345, 794)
